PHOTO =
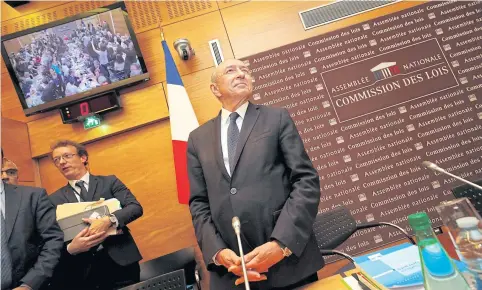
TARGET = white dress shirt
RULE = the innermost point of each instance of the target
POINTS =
(85, 179)
(224, 130)
(224, 139)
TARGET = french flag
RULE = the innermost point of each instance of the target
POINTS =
(183, 121)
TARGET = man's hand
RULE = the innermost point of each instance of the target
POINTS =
(228, 258)
(264, 257)
(83, 242)
(22, 288)
(98, 225)
(232, 262)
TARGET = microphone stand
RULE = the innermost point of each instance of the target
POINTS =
(237, 230)
(435, 167)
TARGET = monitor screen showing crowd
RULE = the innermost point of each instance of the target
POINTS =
(73, 58)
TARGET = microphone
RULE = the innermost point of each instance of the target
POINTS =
(237, 230)
(435, 167)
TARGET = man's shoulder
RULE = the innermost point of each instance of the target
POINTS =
(25, 191)
(57, 192)
(204, 128)
(111, 177)
(271, 112)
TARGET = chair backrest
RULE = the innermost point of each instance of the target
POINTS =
(333, 228)
(172, 281)
(182, 259)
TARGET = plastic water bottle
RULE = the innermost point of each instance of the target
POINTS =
(463, 223)
(439, 272)
(469, 247)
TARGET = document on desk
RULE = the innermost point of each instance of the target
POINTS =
(396, 267)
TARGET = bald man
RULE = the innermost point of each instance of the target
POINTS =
(250, 162)
(9, 172)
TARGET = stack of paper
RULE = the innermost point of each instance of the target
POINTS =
(396, 267)
(69, 209)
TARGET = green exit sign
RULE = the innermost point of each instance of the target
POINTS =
(92, 122)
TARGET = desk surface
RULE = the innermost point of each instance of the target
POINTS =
(335, 282)
(330, 283)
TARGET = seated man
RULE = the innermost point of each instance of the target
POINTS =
(9, 172)
(94, 260)
(31, 239)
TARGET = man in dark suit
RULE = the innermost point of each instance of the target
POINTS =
(250, 162)
(31, 238)
(94, 260)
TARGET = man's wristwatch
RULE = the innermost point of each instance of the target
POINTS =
(113, 219)
(286, 252)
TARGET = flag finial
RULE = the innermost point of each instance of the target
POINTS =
(162, 34)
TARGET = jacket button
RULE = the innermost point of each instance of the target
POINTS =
(233, 190)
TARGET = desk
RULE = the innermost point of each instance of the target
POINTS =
(335, 267)
(330, 283)
(333, 283)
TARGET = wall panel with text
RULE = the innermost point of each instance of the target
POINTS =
(373, 100)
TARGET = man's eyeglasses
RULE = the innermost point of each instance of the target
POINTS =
(66, 157)
(10, 172)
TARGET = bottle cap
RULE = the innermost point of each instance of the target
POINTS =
(419, 221)
(467, 222)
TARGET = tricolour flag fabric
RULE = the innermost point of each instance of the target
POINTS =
(183, 121)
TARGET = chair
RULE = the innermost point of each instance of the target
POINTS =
(336, 226)
(182, 259)
(172, 281)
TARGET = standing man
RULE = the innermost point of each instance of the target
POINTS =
(94, 260)
(9, 172)
(31, 239)
(250, 162)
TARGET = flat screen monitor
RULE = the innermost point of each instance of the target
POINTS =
(72, 59)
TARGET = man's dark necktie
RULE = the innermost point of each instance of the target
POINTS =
(83, 191)
(6, 266)
(233, 136)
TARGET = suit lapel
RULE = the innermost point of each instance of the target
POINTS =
(69, 194)
(218, 151)
(92, 187)
(250, 119)
(13, 200)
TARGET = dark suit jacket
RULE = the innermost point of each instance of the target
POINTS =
(121, 248)
(35, 239)
(274, 190)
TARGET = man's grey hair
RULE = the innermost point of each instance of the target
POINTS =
(214, 77)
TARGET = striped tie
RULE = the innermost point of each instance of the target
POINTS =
(233, 136)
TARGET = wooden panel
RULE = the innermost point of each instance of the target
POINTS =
(265, 25)
(198, 31)
(16, 147)
(228, 3)
(175, 10)
(205, 104)
(140, 107)
(30, 20)
(143, 160)
(144, 15)
(34, 6)
(11, 107)
(28, 183)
